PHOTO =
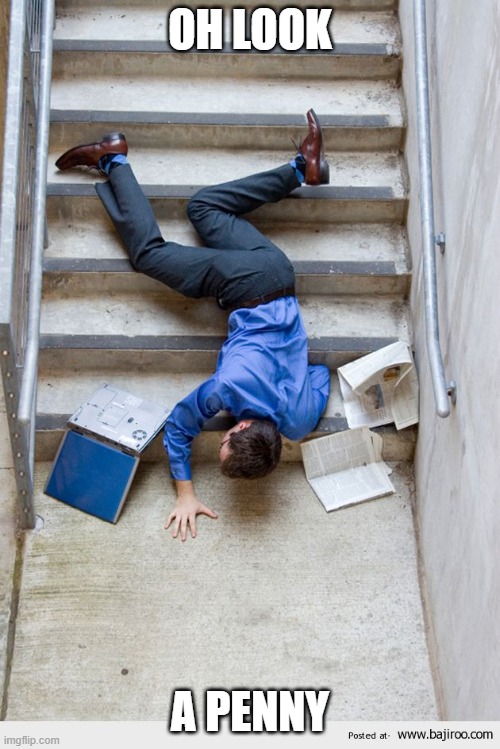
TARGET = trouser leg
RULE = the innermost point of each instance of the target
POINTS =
(231, 277)
(183, 268)
(216, 211)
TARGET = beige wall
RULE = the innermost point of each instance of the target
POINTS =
(458, 459)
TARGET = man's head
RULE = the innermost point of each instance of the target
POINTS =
(250, 450)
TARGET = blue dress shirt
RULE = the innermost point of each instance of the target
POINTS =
(262, 373)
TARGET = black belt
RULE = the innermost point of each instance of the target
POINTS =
(265, 298)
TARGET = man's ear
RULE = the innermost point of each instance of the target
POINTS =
(244, 424)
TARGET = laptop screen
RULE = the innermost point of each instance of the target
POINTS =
(91, 476)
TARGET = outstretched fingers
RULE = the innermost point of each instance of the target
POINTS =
(182, 521)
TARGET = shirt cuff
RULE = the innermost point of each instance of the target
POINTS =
(181, 472)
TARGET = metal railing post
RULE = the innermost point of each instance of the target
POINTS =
(10, 358)
(22, 226)
(28, 386)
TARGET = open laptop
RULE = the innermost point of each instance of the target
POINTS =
(100, 451)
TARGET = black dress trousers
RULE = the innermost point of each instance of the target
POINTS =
(237, 264)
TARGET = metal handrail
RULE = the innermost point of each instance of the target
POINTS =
(28, 386)
(442, 391)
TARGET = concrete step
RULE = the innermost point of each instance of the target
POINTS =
(139, 87)
(72, 235)
(67, 9)
(313, 277)
(341, 132)
(50, 429)
(177, 353)
(312, 206)
(61, 390)
(370, 23)
(153, 309)
(194, 165)
(76, 58)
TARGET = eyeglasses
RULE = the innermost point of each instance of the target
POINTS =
(221, 445)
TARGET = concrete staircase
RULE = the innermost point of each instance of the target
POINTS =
(192, 119)
(275, 593)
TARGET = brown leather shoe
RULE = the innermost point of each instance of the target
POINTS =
(90, 153)
(311, 148)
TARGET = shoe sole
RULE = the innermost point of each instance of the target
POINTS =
(324, 167)
(324, 173)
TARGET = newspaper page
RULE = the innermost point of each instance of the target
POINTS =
(346, 468)
(381, 388)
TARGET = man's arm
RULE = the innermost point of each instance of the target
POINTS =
(184, 423)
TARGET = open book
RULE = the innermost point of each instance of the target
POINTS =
(346, 468)
(380, 388)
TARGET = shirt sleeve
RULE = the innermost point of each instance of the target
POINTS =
(185, 422)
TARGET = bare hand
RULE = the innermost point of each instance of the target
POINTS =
(186, 508)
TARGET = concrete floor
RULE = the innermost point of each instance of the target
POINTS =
(275, 593)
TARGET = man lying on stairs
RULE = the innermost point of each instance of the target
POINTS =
(262, 378)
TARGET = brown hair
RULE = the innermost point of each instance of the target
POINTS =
(255, 451)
